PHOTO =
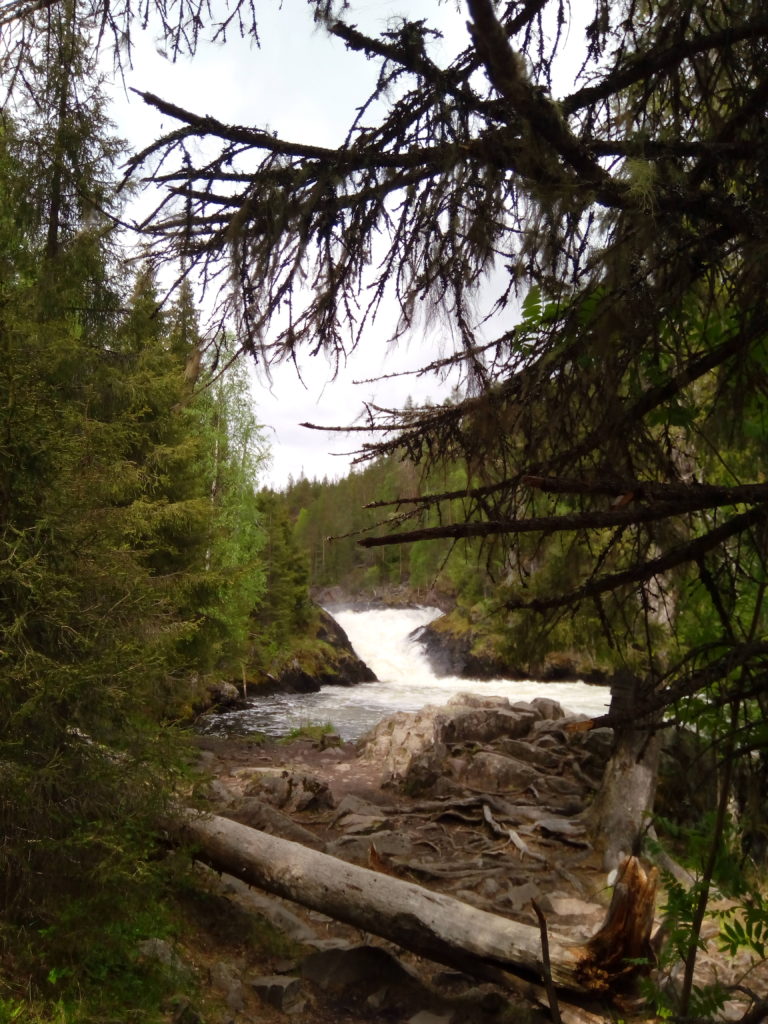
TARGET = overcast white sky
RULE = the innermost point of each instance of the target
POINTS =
(305, 86)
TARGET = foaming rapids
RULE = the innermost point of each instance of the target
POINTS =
(406, 682)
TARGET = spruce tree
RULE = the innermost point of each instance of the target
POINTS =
(82, 643)
(91, 618)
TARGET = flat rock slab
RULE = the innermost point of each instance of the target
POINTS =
(362, 968)
(363, 824)
(283, 993)
(351, 804)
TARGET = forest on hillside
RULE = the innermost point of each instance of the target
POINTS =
(468, 579)
(593, 255)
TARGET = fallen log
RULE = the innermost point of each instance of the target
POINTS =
(430, 924)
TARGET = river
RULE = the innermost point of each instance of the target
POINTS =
(406, 683)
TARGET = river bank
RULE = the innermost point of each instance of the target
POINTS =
(379, 804)
(405, 681)
(460, 800)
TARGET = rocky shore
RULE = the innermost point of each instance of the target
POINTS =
(330, 660)
(458, 650)
(480, 799)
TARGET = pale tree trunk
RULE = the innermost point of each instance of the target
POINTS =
(622, 807)
(431, 924)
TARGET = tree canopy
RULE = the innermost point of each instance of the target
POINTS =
(123, 594)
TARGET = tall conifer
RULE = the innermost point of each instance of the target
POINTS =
(107, 581)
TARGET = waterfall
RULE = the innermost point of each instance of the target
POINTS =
(405, 683)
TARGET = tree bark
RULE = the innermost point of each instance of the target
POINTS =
(430, 924)
(619, 813)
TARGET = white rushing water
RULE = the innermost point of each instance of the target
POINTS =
(405, 683)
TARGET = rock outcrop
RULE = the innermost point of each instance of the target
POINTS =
(333, 662)
(346, 669)
(487, 744)
(460, 651)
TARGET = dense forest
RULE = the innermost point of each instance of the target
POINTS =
(595, 259)
(136, 550)
(463, 576)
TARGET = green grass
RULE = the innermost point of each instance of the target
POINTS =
(311, 731)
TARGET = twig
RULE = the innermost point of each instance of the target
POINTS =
(546, 966)
(709, 867)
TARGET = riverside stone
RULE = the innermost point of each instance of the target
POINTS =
(492, 773)
(416, 744)
(292, 791)
(283, 993)
(224, 694)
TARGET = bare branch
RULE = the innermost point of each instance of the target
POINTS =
(563, 523)
(646, 65)
(655, 567)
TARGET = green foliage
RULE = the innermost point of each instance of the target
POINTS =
(329, 518)
(133, 549)
(283, 612)
(238, 538)
(745, 926)
(743, 922)
(129, 545)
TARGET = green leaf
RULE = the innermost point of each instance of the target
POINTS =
(531, 307)
(674, 415)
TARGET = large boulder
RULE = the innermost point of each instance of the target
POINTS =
(483, 744)
(224, 694)
(413, 748)
(290, 678)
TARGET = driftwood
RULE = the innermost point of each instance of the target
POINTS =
(430, 924)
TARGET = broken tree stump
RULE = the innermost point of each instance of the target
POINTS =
(625, 935)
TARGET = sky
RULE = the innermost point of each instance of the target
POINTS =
(305, 86)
